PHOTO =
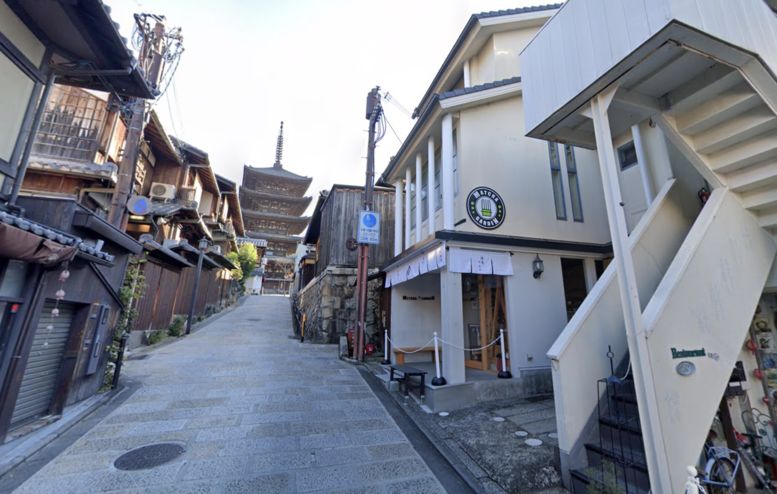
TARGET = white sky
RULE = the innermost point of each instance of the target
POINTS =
(249, 64)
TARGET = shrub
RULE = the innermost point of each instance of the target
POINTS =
(156, 336)
(176, 327)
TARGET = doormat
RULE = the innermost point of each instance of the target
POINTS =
(149, 456)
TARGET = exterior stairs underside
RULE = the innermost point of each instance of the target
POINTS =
(706, 296)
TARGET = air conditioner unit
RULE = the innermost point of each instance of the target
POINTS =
(165, 192)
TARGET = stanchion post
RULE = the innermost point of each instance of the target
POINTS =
(438, 380)
(386, 348)
(504, 373)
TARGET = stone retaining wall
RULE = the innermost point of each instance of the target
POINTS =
(329, 304)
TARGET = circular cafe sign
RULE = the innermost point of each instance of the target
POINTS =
(486, 208)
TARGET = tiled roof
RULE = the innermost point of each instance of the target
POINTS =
(524, 10)
(276, 216)
(480, 87)
(274, 237)
(75, 167)
(277, 171)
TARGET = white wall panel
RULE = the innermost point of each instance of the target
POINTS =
(616, 27)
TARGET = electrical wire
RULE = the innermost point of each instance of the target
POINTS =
(391, 99)
(392, 129)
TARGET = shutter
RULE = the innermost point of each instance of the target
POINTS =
(44, 364)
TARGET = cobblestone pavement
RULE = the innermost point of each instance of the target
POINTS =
(257, 412)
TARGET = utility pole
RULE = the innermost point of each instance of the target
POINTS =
(373, 114)
(151, 59)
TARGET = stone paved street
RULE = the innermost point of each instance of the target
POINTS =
(257, 412)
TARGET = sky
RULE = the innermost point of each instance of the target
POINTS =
(250, 64)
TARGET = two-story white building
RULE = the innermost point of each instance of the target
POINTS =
(478, 206)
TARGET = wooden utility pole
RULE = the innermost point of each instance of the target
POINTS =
(151, 48)
(373, 114)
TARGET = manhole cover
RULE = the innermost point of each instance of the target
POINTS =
(149, 456)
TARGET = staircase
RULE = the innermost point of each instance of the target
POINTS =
(617, 460)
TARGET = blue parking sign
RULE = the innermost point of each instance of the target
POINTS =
(369, 227)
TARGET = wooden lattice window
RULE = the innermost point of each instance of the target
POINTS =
(71, 124)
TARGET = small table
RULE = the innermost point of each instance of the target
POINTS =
(409, 372)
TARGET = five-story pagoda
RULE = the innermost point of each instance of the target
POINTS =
(272, 201)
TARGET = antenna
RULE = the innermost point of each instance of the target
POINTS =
(279, 148)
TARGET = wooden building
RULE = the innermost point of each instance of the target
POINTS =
(272, 201)
(327, 270)
(61, 265)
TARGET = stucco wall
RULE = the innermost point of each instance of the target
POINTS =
(16, 31)
(14, 97)
(414, 321)
(493, 152)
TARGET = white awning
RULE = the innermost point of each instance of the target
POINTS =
(416, 266)
(480, 262)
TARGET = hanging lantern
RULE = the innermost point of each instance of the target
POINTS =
(54, 312)
(751, 345)
(64, 275)
(60, 294)
(758, 373)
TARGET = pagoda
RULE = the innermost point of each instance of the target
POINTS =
(272, 202)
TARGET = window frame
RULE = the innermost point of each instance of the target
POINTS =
(425, 192)
(555, 171)
(455, 145)
(622, 154)
(412, 202)
(569, 155)
(437, 179)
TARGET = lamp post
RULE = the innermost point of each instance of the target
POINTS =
(204, 242)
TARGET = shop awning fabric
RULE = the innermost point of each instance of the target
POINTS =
(480, 262)
(461, 261)
(16, 243)
(418, 265)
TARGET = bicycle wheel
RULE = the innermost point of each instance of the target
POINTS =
(723, 472)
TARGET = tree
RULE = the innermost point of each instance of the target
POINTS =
(245, 258)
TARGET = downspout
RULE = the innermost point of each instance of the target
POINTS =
(31, 139)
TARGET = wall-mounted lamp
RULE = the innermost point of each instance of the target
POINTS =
(538, 267)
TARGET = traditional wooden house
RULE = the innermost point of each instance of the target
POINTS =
(61, 265)
(327, 299)
(272, 202)
(180, 200)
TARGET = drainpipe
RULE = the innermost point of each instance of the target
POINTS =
(643, 164)
(22, 170)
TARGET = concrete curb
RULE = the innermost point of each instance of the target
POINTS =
(37, 440)
(455, 463)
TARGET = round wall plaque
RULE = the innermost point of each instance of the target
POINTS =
(485, 208)
(686, 368)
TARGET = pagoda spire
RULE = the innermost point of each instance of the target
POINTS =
(279, 148)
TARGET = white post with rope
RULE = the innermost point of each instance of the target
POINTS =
(386, 348)
(504, 373)
(438, 380)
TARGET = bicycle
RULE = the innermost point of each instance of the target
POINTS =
(719, 472)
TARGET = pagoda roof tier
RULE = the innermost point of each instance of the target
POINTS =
(274, 237)
(294, 205)
(275, 180)
(295, 224)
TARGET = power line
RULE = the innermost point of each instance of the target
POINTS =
(392, 129)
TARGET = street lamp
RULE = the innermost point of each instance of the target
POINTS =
(203, 245)
(538, 267)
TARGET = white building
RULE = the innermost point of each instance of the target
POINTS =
(476, 204)
(679, 300)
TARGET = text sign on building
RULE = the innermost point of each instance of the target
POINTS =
(485, 208)
(369, 227)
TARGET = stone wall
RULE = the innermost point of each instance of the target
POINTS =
(329, 304)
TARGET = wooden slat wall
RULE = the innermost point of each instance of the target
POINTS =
(145, 306)
(165, 299)
(339, 221)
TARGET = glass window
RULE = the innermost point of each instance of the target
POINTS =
(627, 155)
(455, 165)
(12, 281)
(425, 192)
(437, 181)
(412, 202)
(558, 186)
(574, 187)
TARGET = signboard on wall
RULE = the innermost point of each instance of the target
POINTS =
(485, 208)
(369, 227)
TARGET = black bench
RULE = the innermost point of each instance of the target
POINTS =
(408, 372)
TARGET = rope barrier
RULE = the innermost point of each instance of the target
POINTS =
(468, 349)
(408, 353)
